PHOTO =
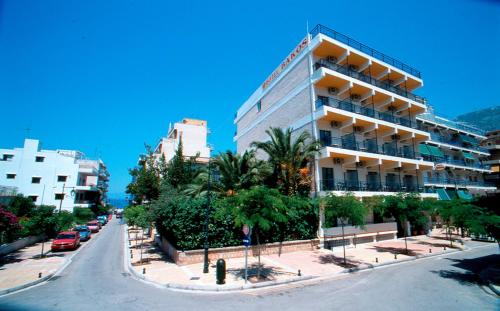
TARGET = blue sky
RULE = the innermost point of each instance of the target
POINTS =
(105, 77)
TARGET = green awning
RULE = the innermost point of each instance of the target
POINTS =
(462, 194)
(424, 150)
(468, 155)
(435, 151)
(468, 139)
(442, 194)
(452, 194)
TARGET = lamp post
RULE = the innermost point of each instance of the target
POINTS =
(64, 194)
(207, 212)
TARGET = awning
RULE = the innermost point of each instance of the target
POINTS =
(468, 155)
(462, 194)
(442, 194)
(424, 150)
(435, 151)
(468, 139)
(452, 194)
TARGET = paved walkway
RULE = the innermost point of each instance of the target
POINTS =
(157, 268)
(24, 265)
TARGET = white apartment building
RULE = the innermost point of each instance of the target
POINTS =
(193, 134)
(460, 161)
(53, 177)
(359, 103)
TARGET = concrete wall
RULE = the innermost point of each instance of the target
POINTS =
(16, 245)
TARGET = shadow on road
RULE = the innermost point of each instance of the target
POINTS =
(468, 269)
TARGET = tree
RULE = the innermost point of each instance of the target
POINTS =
(346, 209)
(180, 171)
(82, 215)
(259, 208)
(21, 206)
(9, 225)
(145, 185)
(290, 159)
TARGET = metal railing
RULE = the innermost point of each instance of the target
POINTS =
(453, 124)
(364, 48)
(456, 182)
(438, 138)
(370, 145)
(351, 106)
(344, 69)
(457, 162)
(354, 185)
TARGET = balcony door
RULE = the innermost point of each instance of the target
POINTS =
(325, 137)
(392, 182)
(372, 181)
(351, 179)
(327, 182)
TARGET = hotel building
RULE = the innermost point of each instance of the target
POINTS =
(359, 103)
(53, 177)
(460, 161)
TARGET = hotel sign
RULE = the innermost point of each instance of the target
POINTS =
(299, 48)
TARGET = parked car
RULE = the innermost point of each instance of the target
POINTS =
(94, 226)
(66, 240)
(102, 220)
(110, 216)
(84, 231)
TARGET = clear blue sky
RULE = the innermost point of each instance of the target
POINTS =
(104, 77)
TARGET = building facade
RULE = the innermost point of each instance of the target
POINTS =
(358, 102)
(193, 134)
(460, 160)
(53, 177)
(492, 143)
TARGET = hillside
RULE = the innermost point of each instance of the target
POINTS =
(487, 119)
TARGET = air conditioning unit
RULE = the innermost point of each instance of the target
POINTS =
(331, 59)
(391, 108)
(360, 164)
(355, 97)
(338, 160)
(335, 124)
(357, 129)
(395, 137)
(333, 90)
(353, 67)
(389, 81)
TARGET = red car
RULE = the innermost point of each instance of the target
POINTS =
(110, 216)
(94, 226)
(66, 240)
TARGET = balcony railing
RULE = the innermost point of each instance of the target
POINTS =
(365, 49)
(456, 182)
(457, 162)
(354, 185)
(350, 106)
(440, 139)
(344, 69)
(453, 124)
(370, 145)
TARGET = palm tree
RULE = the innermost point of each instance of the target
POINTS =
(290, 158)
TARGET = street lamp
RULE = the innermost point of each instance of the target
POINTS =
(207, 212)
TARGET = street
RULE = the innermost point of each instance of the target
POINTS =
(96, 280)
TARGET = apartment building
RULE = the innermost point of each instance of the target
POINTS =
(455, 148)
(53, 177)
(193, 134)
(358, 102)
(492, 143)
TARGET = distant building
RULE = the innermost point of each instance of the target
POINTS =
(492, 143)
(193, 134)
(460, 160)
(43, 174)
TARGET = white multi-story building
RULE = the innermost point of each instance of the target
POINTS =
(193, 134)
(53, 177)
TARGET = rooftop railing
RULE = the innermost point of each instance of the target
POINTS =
(344, 69)
(453, 124)
(351, 106)
(364, 48)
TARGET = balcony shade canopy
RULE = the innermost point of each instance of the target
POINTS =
(424, 150)
(468, 139)
(468, 155)
(435, 151)
(442, 194)
(465, 195)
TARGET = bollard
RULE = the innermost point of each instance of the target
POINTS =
(131, 255)
(376, 259)
(299, 274)
(221, 272)
(395, 256)
(143, 270)
(430, 250)
(40, 275)
(444, 248)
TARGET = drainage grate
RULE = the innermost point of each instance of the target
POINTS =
(194, 278)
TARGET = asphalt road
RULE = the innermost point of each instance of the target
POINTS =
(95, 280)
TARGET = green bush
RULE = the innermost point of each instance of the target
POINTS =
(82, 215)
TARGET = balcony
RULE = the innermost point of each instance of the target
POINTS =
(363, 48)
(350, 106)
(370, 145)
(354, 185)
(344, 69)
(457, 182)
(458, 143)
(459, 126)
(456, 162)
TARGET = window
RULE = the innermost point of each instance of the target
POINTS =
(62, 178)
(7, 157)
(59, 196)
(259, 106)
(36, 180)
(33, 197)
(39, 159)
(11, 176)
(325, 137)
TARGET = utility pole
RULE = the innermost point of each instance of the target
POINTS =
(62, 198)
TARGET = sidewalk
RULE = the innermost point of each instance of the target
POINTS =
(283, 268)
(24, 266)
